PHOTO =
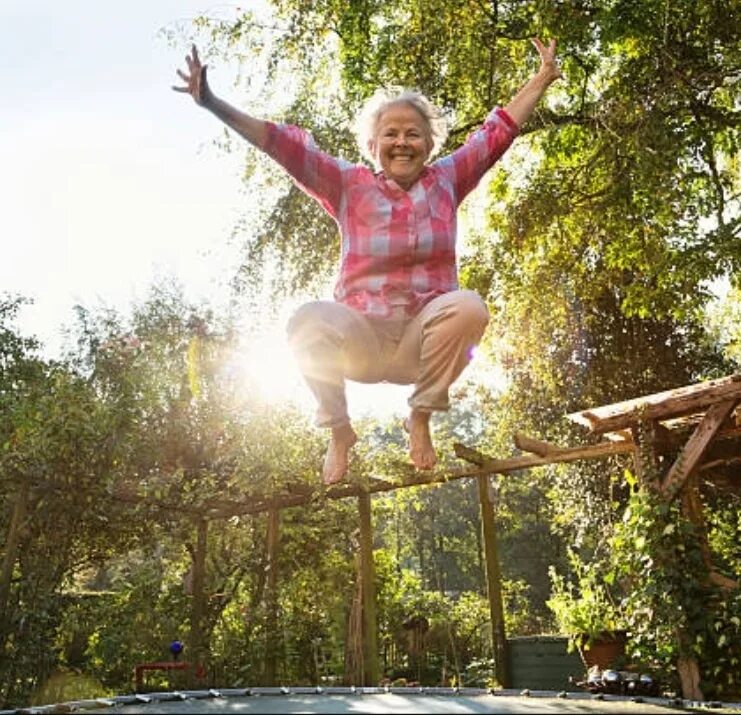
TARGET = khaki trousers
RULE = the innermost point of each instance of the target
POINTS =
(333, 342)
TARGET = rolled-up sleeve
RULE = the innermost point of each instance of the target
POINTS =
(467, 165)
(317, 173)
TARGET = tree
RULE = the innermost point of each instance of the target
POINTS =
(56, 463)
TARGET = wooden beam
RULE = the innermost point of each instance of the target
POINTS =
(368, 586)
(409, 477)
(689, 458)
(718, 579)
(272, 539)
(662, 405)
(672, 435)
(493, 583)
(692, 509)
(622, 435)
(535, 446)
(199, 600)
(513, 464)
(721, 462)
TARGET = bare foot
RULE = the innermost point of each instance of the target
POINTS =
(337, 458)
(421, 450)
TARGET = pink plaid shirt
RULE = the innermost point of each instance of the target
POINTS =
(398, 247)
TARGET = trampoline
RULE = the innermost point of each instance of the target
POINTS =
(372, 700)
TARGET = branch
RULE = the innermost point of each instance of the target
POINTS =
(709, 153)
(543, 118)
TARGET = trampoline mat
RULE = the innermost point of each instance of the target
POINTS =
(367, 700)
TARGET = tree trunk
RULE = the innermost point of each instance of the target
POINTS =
(689, 677)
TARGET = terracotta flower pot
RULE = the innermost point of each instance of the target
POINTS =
(604, 649)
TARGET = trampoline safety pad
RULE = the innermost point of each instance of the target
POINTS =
(372, 700)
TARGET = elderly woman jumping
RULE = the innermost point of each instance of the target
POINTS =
(398, 314)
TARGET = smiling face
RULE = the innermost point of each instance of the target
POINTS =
(402, 143)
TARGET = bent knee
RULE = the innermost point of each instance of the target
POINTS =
(306, 316)
(473, 311)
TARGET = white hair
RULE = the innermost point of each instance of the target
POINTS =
(366, 123)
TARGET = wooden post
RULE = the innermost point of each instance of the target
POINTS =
(12, 547)
(368, 585)
(494, 584)
(271, 598)
(689, 458)
(198, 606)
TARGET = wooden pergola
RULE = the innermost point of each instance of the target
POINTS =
(701, 422)
(538, 454)
(688, 431)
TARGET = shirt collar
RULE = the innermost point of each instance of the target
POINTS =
(394, 186)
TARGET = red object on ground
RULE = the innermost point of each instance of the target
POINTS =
(140, 669)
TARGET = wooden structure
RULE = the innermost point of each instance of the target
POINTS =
(300, 495)
(677, 436)
(700, 425)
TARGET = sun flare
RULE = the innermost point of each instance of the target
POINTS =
(267, 371)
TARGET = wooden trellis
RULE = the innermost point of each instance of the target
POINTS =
(302, 494)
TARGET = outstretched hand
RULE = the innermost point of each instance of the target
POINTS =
(196, 84)
(548, 65)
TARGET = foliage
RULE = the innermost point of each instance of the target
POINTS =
(429, 636)
(599, 232)
(136, 607)
(625, 186)
(55, 468)
(671, 608)
(584, 610)
(725, 324)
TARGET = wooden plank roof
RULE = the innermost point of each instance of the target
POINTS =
(668, 405)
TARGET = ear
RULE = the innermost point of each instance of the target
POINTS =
(372, 147)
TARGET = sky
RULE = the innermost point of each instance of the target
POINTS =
(108, 177)
(110, 181)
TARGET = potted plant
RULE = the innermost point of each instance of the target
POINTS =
(586, 613)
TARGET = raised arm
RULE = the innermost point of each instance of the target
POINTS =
(524, 102)
(317, 173)
(196, 85)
